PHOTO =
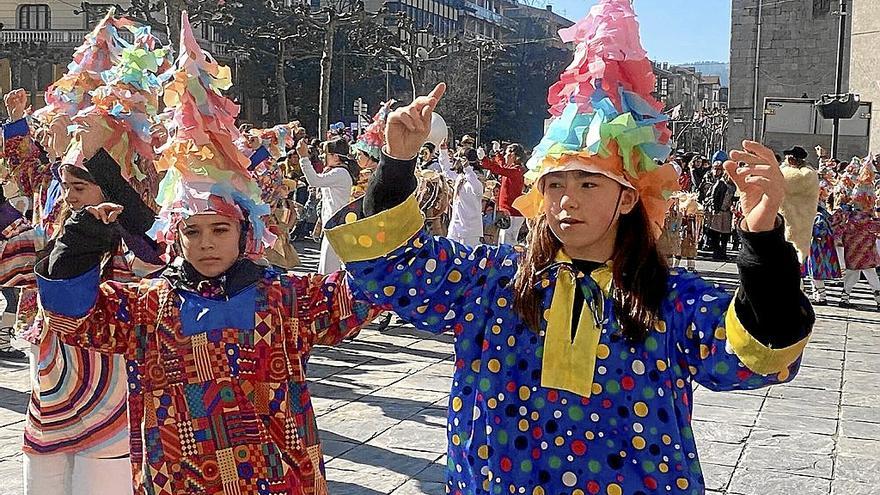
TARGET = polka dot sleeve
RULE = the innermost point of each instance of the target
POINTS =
(707, 334)
(432, 282)
(435, 283)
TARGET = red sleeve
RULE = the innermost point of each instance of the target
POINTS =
(327, 311)
(498, 167)
(23, 158)
(108, 326)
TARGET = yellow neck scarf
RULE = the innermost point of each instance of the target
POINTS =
(569, 364)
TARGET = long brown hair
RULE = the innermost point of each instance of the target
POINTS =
(639, 274)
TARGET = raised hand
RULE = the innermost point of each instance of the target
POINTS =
(92, 133)
(16, 104)
(302, 148)
(105, 212)
(408, 127)
(757, 175)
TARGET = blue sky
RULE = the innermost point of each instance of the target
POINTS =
(674, 31)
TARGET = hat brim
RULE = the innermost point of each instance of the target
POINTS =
(583, 165)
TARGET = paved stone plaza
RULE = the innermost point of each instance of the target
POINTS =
(381, 406)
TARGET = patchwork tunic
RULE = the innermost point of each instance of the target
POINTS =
(217, 394)
(822, 264)
(603, 416)
(859, 231)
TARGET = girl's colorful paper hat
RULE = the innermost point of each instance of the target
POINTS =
(279, 139)
(206, 172)
(864, 194)
(100, 52)
(373, 138)
(108, 89)
(605, 119)
(126, 107)
(266, 149)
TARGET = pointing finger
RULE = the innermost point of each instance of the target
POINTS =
(438, 91)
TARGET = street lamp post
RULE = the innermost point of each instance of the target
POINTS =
(387, 81)
(479, 90)
(838, 85)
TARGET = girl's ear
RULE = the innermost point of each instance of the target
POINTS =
(628, 199)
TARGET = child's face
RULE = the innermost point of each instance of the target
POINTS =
(210, 243)
(582, 211)
(79, 193)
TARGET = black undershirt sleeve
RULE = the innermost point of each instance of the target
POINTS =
(393, 182)
(80, 249)
(770, 303)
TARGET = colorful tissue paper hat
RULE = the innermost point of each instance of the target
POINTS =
(268, 164)
(100, 51)
(206, 172)
(605, 119)
(268, 173)
(280, 138)
(373, 138)
(864, 194)
(125, 108)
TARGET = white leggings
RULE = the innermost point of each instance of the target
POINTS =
(510, 236)
(852, 278)
(71, 474)
(467, 240)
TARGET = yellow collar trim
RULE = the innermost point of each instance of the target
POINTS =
(569, 364)
(603, 276)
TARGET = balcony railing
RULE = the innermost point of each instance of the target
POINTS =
(72, 37)
(483, 13)
(75, 37)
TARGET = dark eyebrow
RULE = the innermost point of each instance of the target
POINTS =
(76, 182)
(581, 174)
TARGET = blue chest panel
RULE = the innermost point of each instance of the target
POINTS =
(199, 314)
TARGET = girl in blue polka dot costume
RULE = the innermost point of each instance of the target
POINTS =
(575, 358)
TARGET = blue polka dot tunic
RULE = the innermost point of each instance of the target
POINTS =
(630, 433)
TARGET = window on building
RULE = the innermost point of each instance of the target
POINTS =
(34, 17)
(206, 31)
(821, 8)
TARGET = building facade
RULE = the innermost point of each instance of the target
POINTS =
(442, 16)
(485, 19)
(38, 38)
(796, 58)
(709, 94)
(534, 24)
(865, 60)
(685, 92)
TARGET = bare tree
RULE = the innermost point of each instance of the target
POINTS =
(164, 15)
(416, 49)
(31, 55)
(330, 21)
